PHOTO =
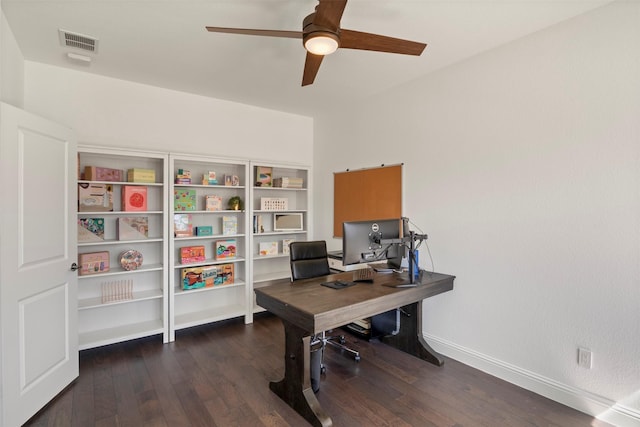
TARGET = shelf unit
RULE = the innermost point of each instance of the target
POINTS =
(158, 304)
(269, 269)
(202, 305)
(144, 311)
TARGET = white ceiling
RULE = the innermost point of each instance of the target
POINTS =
(164, 42)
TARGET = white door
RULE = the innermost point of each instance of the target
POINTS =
(38, 290)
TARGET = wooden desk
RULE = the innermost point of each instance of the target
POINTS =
(307, 308)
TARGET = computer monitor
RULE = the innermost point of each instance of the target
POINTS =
(373, 240)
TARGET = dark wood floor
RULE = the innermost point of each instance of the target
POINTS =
(217, 375)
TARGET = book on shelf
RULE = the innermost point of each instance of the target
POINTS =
(213, 203)
(184, 200)
(95, 197)
(229, 225)
(285, 245)
(182, 226)
(132, 228)
(90, 230)
(134, 198)
(288, 182)
(268, 248)
(191, 254)
(225, 249)
(258, 227)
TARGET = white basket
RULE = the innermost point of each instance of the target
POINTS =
(274, 204)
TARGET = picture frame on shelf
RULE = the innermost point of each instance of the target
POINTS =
(288, 221)
(263, 176)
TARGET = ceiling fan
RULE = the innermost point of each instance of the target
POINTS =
(321, 35)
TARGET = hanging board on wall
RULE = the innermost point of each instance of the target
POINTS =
(366, 194)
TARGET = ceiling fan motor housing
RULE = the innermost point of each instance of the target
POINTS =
(310, 31)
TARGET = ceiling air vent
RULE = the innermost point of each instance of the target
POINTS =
(79, 41)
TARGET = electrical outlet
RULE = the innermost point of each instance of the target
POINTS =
(584, 358)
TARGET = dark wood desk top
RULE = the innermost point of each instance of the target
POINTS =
(316, 308)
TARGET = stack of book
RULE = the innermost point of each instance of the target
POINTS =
(288, 182)
(183, 176)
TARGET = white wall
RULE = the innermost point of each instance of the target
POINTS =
(11, 66)
(111, 112)
(523, 166)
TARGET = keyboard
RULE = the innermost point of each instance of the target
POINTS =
(363, 275)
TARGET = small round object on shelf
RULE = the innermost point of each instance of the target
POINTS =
(131, 259)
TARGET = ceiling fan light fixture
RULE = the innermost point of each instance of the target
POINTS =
(321, 43)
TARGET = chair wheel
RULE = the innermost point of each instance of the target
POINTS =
(342, 340)
(323, 369)
(357, 358)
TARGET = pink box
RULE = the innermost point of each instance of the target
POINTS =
(93, 263)
(134, 198)
(191, 254)
(94, 173)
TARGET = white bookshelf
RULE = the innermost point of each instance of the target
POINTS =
(157, 303)
(144, 311)
(215, 301)
(270, 268)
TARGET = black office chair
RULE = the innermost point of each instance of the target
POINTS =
(309, 259)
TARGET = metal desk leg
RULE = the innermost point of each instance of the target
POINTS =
(295, 387)
(410, 339)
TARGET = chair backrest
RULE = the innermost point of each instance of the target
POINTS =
(308, 259)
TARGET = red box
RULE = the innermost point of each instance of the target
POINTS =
(191, 254)
(134, 198)
(93, 263)
(94, 173)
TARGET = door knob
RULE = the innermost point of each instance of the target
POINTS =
(74, 267)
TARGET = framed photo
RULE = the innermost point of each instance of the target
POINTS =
(263, 176)
(287, 221)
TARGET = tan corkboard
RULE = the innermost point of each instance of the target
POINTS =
(366, 194)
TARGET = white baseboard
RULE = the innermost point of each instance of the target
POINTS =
(581, 400)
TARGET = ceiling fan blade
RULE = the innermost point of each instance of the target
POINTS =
(251, 32)
(329, 13)
(350, 39)
(311, 66)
